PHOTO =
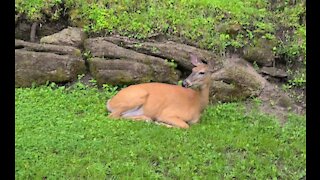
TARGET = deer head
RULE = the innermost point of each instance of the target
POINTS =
(200, 76)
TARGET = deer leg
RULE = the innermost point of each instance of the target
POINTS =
(139, 118)
(115, 114)
(174, 121)
(163, 124)
(133, 114)
(128, 108)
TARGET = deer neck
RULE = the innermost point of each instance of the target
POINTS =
(203, 93)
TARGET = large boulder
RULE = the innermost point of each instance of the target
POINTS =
(22, 30)
(274, 72)
(260, 55)
(61, 50)
(70, 36)
(113, 58)
(54, 63)
(122, 71)
(260, 52)
(237, 80)
(169, 50)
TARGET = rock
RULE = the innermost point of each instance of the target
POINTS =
(70, 36)
(161, 71)
(262, 56)
(16, 18)
(234, 28)
(272, 79)
(57, 49)
(22, 30)
(40, 67)
(229, 28)
(274, 72)
(180, 53)
(265, 43)
(261, 52)
(237, 80)
(284, 101)
(99, 47)
(122, 71)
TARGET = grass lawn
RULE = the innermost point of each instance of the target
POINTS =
(65, 134)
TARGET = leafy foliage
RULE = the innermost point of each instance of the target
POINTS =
(36, 9)
(208, 23)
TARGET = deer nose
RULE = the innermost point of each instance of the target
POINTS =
(186, 83)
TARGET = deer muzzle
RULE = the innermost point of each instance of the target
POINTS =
(186, 83)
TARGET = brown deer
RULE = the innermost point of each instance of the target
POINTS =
(167, 104)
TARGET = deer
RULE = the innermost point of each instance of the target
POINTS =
(166, 104)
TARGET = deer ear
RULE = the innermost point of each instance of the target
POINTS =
(194, 60)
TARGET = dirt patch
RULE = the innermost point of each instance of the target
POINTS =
(276, 102)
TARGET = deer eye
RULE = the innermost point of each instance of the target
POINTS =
(201, 72)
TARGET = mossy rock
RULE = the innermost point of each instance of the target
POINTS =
(159, 69)
(70, 36)
(228, 28)
(261, 52)
(40, 67)
(124, 72)
(261, 56)
(237, 80)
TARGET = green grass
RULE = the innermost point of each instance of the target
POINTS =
(64, 133)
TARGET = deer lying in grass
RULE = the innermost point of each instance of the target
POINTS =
(167, 104)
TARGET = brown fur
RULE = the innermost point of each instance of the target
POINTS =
(165, 103)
